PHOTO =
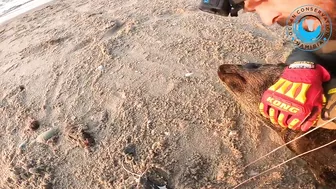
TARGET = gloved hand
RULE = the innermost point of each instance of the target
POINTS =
(296, 99)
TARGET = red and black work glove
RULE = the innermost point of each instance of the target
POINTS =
(296, 99)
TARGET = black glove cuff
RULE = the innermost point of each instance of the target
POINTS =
(330, 87)
(298, 55)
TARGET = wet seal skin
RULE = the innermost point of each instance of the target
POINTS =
(246, 83)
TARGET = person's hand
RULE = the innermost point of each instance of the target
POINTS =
(296, 99)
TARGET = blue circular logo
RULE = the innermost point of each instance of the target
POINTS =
(309, 27)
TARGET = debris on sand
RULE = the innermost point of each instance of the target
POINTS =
(53, 140)
(33, 124)
(80, 135)
(154, 178)
(87, 139)
(23, 146)
(101, 68)
(22, 87)
(188, 74)
(130, 150)
(45, 136)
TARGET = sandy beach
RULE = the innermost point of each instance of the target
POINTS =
(132, 89)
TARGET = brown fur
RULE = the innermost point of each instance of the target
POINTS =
(247, 87)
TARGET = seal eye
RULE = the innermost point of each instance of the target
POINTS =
(251, 66)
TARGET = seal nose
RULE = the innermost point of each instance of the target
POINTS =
(221, 71)
(226, 69)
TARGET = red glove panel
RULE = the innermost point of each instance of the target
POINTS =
(296, 99)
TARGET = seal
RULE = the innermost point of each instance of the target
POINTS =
(246, 84)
